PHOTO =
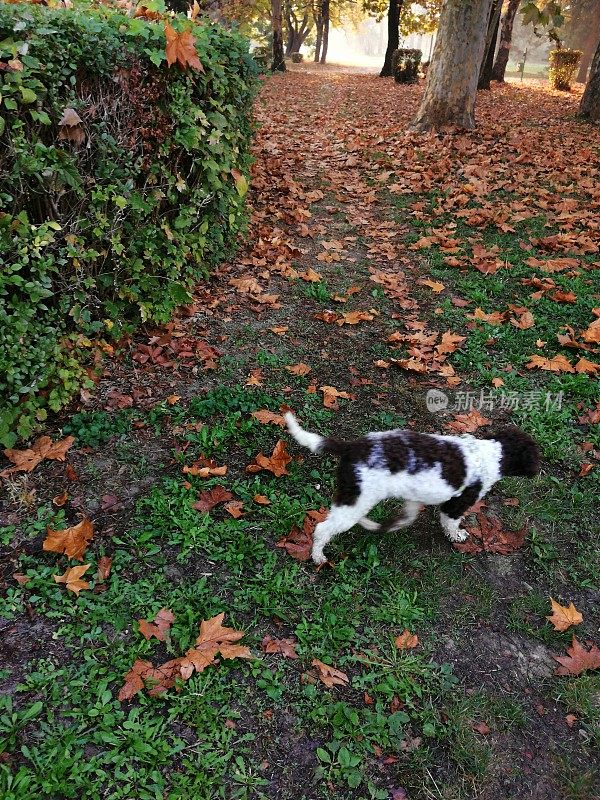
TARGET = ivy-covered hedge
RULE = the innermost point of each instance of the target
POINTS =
(122, 181)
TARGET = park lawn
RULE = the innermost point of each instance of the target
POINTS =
(475, 709)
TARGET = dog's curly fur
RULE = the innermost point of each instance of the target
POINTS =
(450, 471)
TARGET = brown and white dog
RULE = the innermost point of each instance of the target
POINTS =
(450, 471)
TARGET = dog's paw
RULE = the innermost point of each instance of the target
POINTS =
(319, 557)
(458, 535)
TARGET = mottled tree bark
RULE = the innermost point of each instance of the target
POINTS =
(278, 64)
(451, 87)
(587, 47)
(393, 33)
(590, 102)
(297, 32)
(485, 72)
(499, 68)
(325, 40)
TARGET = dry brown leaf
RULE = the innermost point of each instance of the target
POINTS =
(72, 542)
(268, 417)
(60, 499)
(261, 500)
(592, 334)
(214, 638)
(143, 675)
(406, 640)
(181, 48)
(310, 275)
(494, 318)
(234, 508)
(72, 578)
(212, 497)
(42, 448)
(299, 369)
(467, 423)
(524, 321)
(286, 647)
(557, 364)
(160, 627)
(330, 395)
(275, 463)
(578, 659)
(563, 617)
(435, 286)
(298, 542)
(330, 676)
(587, 367)
(104, 567)
(205, 468)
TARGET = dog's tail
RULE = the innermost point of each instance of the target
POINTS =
(314, 442)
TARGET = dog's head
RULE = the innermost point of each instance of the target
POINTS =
(520, 453)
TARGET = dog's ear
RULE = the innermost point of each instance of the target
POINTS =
(520, 453)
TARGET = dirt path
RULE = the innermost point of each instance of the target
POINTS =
(349, 216)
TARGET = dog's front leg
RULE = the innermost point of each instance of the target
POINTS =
(339, 519)
(452, 512)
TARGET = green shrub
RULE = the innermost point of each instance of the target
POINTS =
(405, 65)
(122, 182)
(563, 65)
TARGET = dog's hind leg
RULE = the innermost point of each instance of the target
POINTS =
(339, 519)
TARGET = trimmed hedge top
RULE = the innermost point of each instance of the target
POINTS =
(122, 182)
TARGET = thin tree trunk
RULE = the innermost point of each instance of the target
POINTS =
(588, 46)
(590, 102)
(485, 73)
(278, 64)
(451, 87)
(325, 41)
(393, 41)
(499, 68)
(319, 41)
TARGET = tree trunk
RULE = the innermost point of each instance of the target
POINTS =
(393, 40)
(319, 41)
(278, 64)
(587, 47)
(325, 41)
(485, 73)
(590, 102)
(451, 87)
(499, 67)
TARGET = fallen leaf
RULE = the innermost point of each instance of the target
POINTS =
(578, 659)
(592, 334)
(72, 542)
(286, 647)
(255, 378)
(214, 638)
(261, 500)
(570, 719)
(104, 567)
(275, 463)
(467, 423)
(268, 417)
(481, 727)
(310, 275)
(330, 395)
(407, 640)
(234, 508)
(144, 675)
(563, 617)
(587, 367)
(524, 321)
(205, 468)
(330, 676)
(299, 369)
(72, 578)
(173, 398)
(557, 364)
(433, 285)
(21, 579)
(42, 448)
(160, 627)
(298, 542)
(60, 499)
(489, 536)
(212, 497)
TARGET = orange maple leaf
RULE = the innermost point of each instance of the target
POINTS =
(72, 578)
(181, 49)
(563, 617)
(330, 676)
(72, 542)
(42, 448)
(275, 463)
(286, 647)
(214, 638)
(578, 659)
(406, 640)
(160, 627)
(557, 364)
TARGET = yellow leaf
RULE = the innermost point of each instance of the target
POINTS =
(563, 617)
